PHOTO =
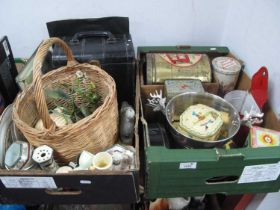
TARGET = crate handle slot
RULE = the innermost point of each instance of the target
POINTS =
(63, 191)
(222, 180)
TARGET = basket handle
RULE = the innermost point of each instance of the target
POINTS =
(39, 94)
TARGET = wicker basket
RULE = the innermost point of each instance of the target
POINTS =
(92, 133)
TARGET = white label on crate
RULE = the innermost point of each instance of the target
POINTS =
(260, 173)
(85, 181)
(28, 182)
(213, 48)
(5, 45)
(189, 165)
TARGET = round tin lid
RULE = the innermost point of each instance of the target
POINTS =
(226, 65)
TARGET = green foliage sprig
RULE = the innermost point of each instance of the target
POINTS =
(76, 100)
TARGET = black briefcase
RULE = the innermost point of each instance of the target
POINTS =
(106, 40)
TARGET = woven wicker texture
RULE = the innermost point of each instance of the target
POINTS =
(92, 133)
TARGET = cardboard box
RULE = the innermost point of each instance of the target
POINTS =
(179, 172)
(81, 187)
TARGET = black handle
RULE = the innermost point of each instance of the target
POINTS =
(87, 34)
(63, 192)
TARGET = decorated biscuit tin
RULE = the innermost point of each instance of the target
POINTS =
(262, 137)
(226, 72)
(163, 66)
(202, 122)
(175, 87)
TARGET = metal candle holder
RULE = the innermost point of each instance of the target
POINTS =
(43, 155)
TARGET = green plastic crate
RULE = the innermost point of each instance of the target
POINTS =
(194, 172)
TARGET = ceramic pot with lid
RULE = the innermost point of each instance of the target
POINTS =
(226, 72)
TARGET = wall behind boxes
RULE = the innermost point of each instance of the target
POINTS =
(252, 31)
(152, 22)
(250, 28)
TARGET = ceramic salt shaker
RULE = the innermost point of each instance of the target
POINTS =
(43, 155)
(127, 118)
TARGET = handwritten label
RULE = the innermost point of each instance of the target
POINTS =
(28, 182)
(260, 173)
(189, 165)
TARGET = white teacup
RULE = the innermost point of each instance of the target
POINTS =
(85, 159)
(102, 161)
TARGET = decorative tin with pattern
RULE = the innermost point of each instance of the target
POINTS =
(262, 137)
(201, 122)
(226, 72)
(162, 66)
(174, 87)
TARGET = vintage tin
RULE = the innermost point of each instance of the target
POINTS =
(201, 122)
(162, 66)
(262, 137)
(226, 72)
(175, 87)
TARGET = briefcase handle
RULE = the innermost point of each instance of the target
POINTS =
(87, 34)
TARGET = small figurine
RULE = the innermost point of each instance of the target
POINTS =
(123, 157)
(252, 118)
(157, 101)
(127, 119)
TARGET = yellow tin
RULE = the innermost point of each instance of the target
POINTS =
(162, 66)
